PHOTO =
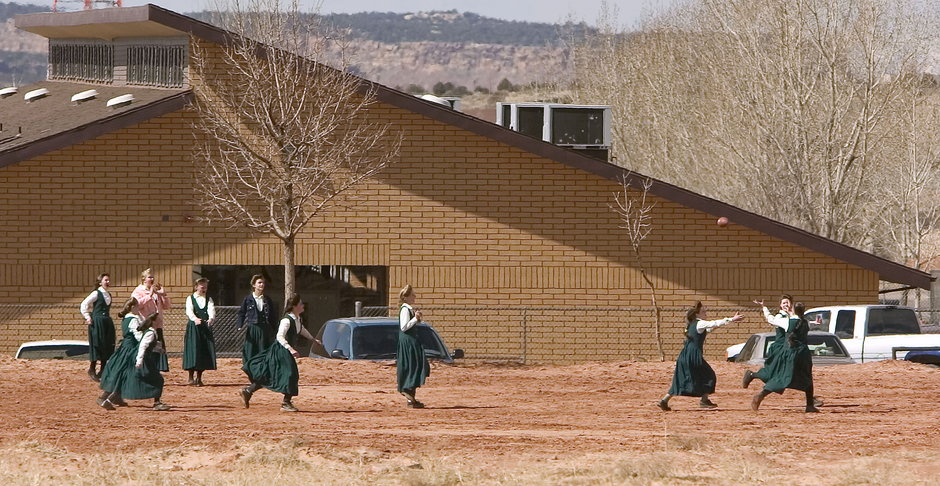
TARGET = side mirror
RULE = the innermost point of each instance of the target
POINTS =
(338, 354)
(457, 354)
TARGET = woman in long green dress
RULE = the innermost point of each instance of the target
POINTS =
(276, 368)
(793, 366)
(763, 374)
(411, 363)
(96, 309)
(693, 376)
(112, 377)
(198, 342)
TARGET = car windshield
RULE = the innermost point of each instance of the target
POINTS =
(377, 342)
(892, 320)
(57, 351)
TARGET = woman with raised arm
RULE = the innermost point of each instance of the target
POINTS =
(96, 309)
(152, 299)
(793, 365)
(199, 343)
(412, 365)
(763, 374)
(276, 368)
(693, 376)
(133, 373)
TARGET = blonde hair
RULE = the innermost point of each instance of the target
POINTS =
(200, 281)
(146, 273)
(405, 292)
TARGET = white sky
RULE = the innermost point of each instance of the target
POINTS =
(549, 11)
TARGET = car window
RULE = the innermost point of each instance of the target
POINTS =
(818, 321)
(845, 324)
(892, 320)
(337, 337)
(378, 342)
(767, 342)
(59, 351)
(825, 345)
(748, 349)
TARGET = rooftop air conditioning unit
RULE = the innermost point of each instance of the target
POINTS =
(584, 128)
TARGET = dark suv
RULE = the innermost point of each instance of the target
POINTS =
(374, 338)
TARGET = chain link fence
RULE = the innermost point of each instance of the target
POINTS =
(516, 333)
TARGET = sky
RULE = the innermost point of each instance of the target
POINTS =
(549, 11)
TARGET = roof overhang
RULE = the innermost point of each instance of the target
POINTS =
(108, 24)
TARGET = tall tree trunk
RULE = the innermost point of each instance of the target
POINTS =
(289, 274)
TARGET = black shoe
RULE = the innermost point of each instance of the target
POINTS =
(415, 404)
(288, 407)
(199, 382)
(812, 409)
(748, 377)
(106, 404)
(246, 396)
(706, 403)
(94, 376)
(118, 402)
(664, 405)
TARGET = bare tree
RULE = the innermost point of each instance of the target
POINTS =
(283, 135)
(790, 108)
(635, 210)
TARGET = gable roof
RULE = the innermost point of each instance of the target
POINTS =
(130, 21)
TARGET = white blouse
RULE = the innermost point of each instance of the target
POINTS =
(780, 320)
(702, 326)
(284, 326)
(405, 321)
(148, 338)
(89, 302)
(201, 301)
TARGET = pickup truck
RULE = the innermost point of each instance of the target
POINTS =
(869, 332)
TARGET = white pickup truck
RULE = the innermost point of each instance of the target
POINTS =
(869, 332)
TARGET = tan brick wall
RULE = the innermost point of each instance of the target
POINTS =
(466, 220)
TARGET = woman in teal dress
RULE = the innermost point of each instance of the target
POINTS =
(793, 366)
(112, 377)
(276, 368)
(96, 309)
(693, 376)
(411, 363)
(198, 342)
(763, 374)
(122, 377)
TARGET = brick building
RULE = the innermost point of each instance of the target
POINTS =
(496, 224)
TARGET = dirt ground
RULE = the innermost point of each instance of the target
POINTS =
(480, 410)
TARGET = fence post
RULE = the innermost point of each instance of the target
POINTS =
(358, 308)
(525, 334)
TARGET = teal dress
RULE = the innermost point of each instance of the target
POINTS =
(146, 381)
(100, 331)
(257, 340)
(198, 342)
(114, 371)
(412, 364)
(773, 350)
(793, 366)
(276, 368)
(693, 377)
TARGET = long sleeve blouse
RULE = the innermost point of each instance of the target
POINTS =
(89, 302)
(201, 302)
(150, 302)
(405, 319)
(702, 326)
(147, 338)
(284, 326)
(779, 320)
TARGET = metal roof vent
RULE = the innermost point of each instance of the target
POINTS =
(119, 101)
(84, 96)
(7, 92)
(36, 94)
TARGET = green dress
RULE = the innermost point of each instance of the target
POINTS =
(100, 331)
(276, 368)
(114, 371)
(146, 381)
(257, 340)
(793, 366)
(198, 342)
(763, 374)
(412, 364)
(693, 376)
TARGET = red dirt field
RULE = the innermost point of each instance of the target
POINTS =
(483, 411)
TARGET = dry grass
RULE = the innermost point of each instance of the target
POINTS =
(685, 460)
